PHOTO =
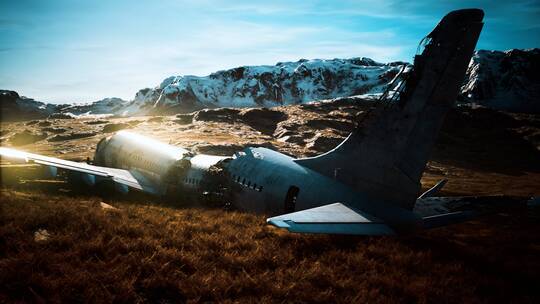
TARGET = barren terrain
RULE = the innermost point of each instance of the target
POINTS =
(60, 244)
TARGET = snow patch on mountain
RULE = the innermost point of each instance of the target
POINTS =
(501, 80)
(508, 80)
(110, 105)
(281, 84)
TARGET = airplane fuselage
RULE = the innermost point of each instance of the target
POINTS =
(167, 165)
(268, 182)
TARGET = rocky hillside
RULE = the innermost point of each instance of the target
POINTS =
(500, 80)
(110, 105)
(282, 84)
(504, 80)
(15, 107)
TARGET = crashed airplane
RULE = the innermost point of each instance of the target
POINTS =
(368, 185)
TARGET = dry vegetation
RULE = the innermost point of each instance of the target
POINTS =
(156, 253)
(58, 244)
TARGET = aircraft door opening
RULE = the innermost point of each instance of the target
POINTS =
(290, 199)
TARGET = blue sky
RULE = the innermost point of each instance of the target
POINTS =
(79, 51)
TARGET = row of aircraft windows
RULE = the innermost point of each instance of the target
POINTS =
(147, 163)
(192, 181)
(242, 181)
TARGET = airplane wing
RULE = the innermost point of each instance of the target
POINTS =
(132, 179)
(334, 218)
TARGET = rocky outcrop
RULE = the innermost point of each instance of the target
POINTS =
(265, 86)
(507, 80)
(112, 105)
(14, 107)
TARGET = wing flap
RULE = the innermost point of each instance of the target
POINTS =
(334, 218)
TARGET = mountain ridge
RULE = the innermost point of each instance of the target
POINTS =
(502, 80)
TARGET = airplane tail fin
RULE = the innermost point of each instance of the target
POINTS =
(387, 157)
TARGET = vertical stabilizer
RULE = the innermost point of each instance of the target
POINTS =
(386, 158)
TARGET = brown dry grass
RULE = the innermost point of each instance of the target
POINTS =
(145, 252)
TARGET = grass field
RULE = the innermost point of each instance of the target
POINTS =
(145, 251)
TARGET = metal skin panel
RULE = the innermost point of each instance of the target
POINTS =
(200, 164)
(126, 150)
(335, 213)
(276, 172)
(336, 228)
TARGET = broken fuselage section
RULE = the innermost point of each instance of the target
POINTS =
(173, 170)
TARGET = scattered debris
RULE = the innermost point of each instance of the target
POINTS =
(106, 206)
(41, 235)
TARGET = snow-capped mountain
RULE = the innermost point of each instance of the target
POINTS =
(110, 105)
(280, 84)
(502, 80)
(507, 80)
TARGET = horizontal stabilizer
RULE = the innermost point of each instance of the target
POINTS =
(434, 190)
(335, 218)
